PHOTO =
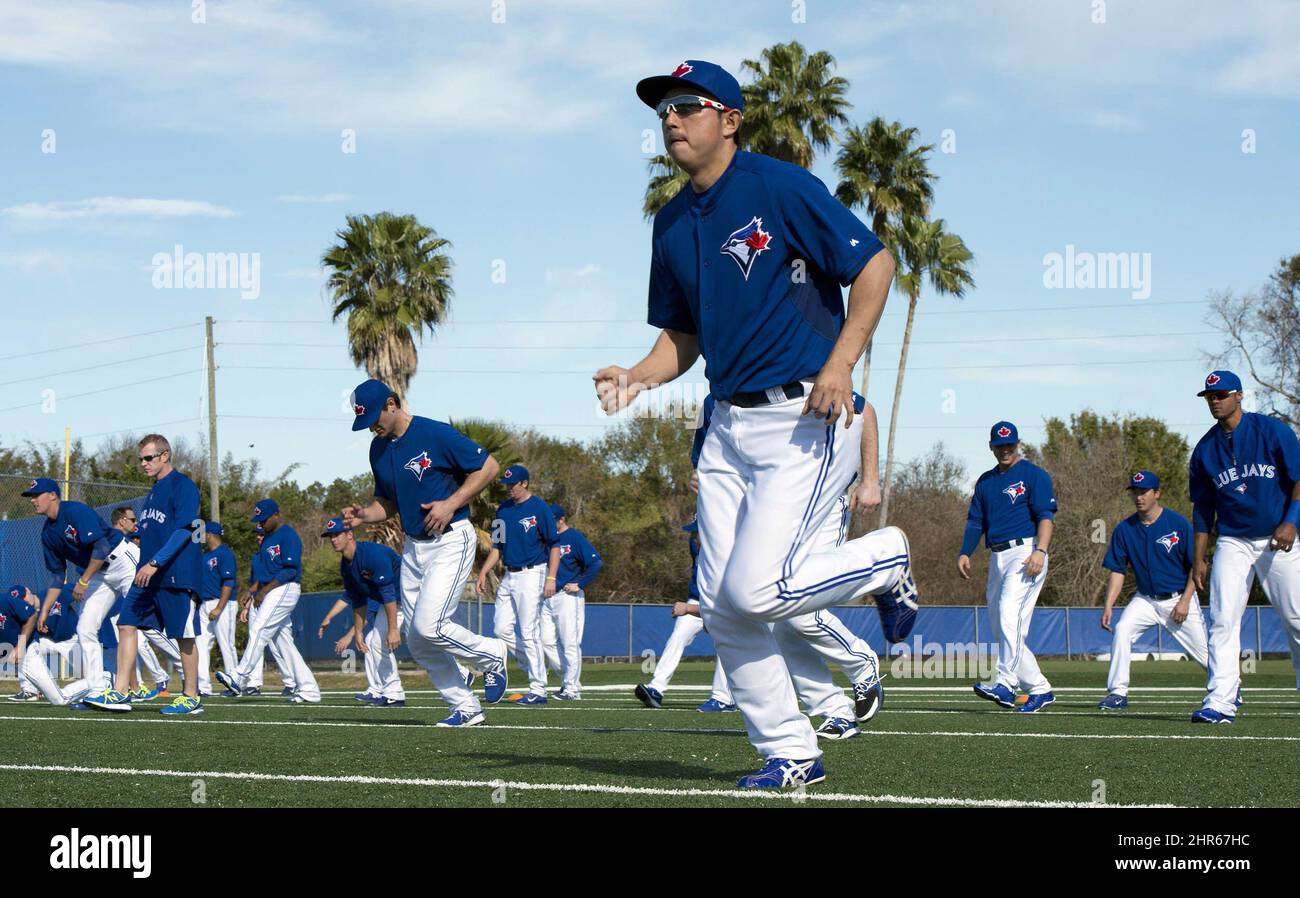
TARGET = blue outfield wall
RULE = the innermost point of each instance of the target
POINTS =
(630, 630)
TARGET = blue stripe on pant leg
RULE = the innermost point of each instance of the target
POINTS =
(812, 500)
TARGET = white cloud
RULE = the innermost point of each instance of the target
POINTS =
(1112, 120)
(113, 207)
(316, 198)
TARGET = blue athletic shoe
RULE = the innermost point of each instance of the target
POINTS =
(651, 698)
(365, 698)
(1209, 715)
(79, 706)
(897, 605)
(1113, 702)
(287, 691)
(713, 706)
(780, 773)
(531, 699)
(230, 683)
(1036, 703)
(461, 719)
(837, 728)
(252, 691)
(996, 693)
(23, 696)
(494, 685)
(563, 696)
(109, 700)
(389, 702)
(183, 705)
(868, 699)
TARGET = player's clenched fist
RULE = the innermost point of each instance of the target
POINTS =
(353, 515)
(963, 566)
(1284, 536)
(866, 497)
(614, 389)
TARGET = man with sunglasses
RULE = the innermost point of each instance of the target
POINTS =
(1244, 480)
(165, 595)
(747, 266)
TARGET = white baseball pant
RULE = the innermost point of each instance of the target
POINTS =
(1141, 614)
(36, 670)
(145, 640)
(769, 477)
(223, 631)
(110, 582)
(1237, 562)
(685, 628)
(434, 574)
(561, 642)
(523, 609)
(382, 677)
(279, 655)
(1011, 599)
(275, 622)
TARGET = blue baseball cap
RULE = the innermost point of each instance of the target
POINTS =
(1216, 381)
(557, 511)
(18, 590)
(42, 485)
(708, 77)
(1003, 433)
(1144, 480)
(335, 525)
(260, 530)
(215, 528)
(514, 474)
(367, 402)
(264, 509)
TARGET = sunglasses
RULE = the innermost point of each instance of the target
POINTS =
(1219, 395)
(151, 457)
(686, 106)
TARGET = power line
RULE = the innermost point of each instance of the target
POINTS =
(165, 330)
(152, 380)
(140, 358)
(108, 433)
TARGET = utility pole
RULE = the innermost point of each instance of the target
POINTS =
(214, 473)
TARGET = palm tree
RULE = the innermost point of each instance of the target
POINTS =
(926, 251)
(791, 111)
(391, 276)
(794, 103)
(884, 173)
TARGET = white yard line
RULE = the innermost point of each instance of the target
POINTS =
(891, 684)
(764, 795)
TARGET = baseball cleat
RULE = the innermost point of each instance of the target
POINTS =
(23, 696)
(382, 702)
(461, 719)
(563, 696)
(996, 693)
(365, 698)
(183, 705)
(494, 685)
(109, 700)
(288, 691)
(897, 605)
(252, 691)
(531, 699)
(713, 706)
(780, 773)
(231, 684)
(837, 728)
(1209, 715)
(1036, 703)
(868, 698)
(1113, 702)
(650, 697)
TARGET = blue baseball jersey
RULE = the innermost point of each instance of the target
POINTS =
(754, 266)
(281, 555)
(1008, 505)
(1242, 479)
(257, 569)
(428, 463)
(524, 533)
(1160, 552)
(62, 619)
(71, 537)
(219, 570)
(171, 506)
(693, 588)
(579, 561)
(14, 613)
(372, 576)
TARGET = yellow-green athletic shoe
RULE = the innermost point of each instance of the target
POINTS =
(184, 704)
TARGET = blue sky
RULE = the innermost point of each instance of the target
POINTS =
(521, 141)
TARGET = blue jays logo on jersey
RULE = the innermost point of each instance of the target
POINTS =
(70, 533)
(1241, 487)
(1015, 491)
(419, 465)
(56, 608)
(747, 244)
(273, 551)
(529, 522)
(4, 619)
(565, 550)
(1169, 540)
(367, 575)
(212, 562)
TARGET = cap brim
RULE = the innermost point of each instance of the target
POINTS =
(653, 89)
(1008, 441)
(365, 422)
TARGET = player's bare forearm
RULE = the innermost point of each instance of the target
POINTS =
(866, 303)
(1043, 538)
(490, 562)
(1200, 547)
(377, 511)
(51, 596)
(870, 442)
(475, 483)
(1114, 585)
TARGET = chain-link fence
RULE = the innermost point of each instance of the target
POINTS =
(21, 558)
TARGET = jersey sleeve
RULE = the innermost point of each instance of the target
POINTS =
(227, 568)
(546, 526)
(1042, 497)
(1287, 450)
(667, 303)
(1188, 544)
(823, 230)
(460, 453)
(1116, 556)
(1202, 494)
(185, 505)
(591, 563)
(90, 529)
(974, 521)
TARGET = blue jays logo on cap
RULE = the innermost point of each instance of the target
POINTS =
(529, 522)
(1003, 433)
(683, 68)
(747, 244)
(707, 77)
(367, 402)
(1144, 480)
(41, 485)
(419, 465)
(17, 592)
(1221, 381)
(1169, 540)
(1015, 491)
(264, 510)
(514, 474)
(335, 525)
